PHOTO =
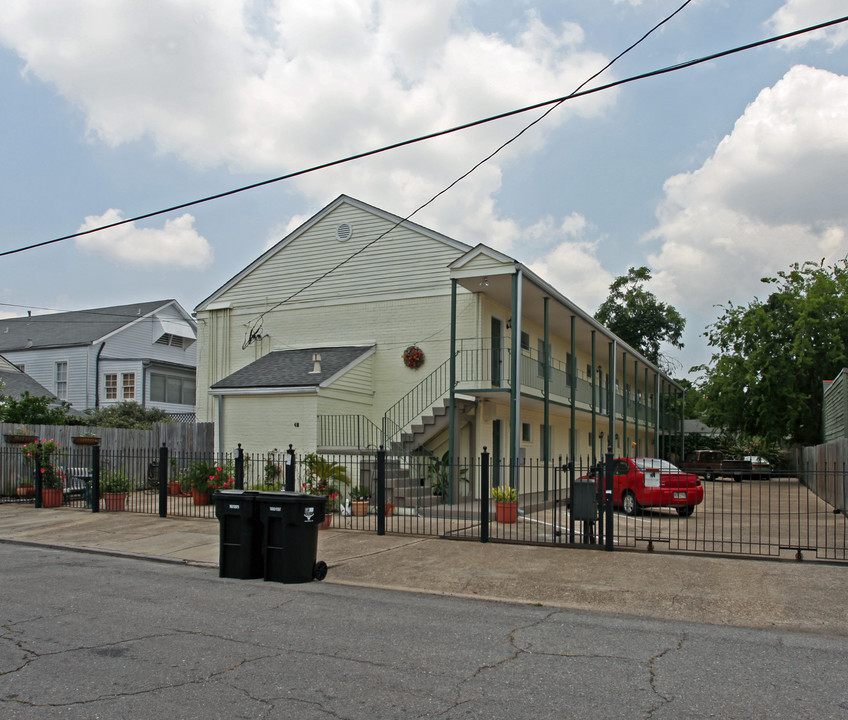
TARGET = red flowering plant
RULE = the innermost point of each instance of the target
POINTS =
(221, 479)
(42, 451)
(205, 476)
(413, 357)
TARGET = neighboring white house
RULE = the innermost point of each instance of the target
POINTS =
(304, 347)
(14, 382)
(141, 352)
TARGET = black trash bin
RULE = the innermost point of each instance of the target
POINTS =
(240, 546)
(290, 523)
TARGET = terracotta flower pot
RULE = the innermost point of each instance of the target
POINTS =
(327, 521)
(114, 502)
(507, 512)
(390, 509)
(359, 508)
(174, 488)
(200, 498)
(26, 491)
(51, 497)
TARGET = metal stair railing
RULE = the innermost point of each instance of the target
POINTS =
(417, 401)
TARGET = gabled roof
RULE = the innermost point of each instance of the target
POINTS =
(293, 368)
(320, 215)
(80, 327)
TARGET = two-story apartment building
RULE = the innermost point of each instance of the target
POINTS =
(140, 352)
(306, 346)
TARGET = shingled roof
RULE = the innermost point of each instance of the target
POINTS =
(292, 368)
(80, 327)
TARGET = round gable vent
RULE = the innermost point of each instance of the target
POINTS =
(343, 232)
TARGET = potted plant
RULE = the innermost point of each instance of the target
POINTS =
(323, 477)
(359, 497)
(114, 486)
(506, 503)
(196, 480)
(221, 478)
(40, 454)
(26, 489)
(440, 473)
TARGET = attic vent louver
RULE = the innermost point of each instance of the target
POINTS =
(343, 232)
(316, 364)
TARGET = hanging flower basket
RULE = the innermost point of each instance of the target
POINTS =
(20, 439)
(413, 357)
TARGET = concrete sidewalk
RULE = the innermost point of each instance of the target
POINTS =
(805, 596)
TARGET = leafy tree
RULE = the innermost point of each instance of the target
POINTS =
(637, 317)
(765, 378)
(35, 410)
(128, 415)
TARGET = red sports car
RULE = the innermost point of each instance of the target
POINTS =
(648, 482)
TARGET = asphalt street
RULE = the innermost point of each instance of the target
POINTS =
(100, 636)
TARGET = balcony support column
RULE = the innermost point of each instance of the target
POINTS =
(515, 384)
(453, 428)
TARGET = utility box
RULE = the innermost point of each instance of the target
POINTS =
(583, 500)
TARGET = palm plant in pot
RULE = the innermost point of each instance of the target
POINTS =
(360, 495)
(506, 503)
(114, 487)
(323, 477)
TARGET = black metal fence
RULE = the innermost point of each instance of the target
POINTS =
(555, 503)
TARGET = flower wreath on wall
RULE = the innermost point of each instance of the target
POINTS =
(413, 357)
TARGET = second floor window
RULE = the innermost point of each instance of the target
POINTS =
(128, 386)
(62, 379)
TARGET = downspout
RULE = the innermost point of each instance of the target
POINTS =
(220, 423)
(144, 365)
(97, 376)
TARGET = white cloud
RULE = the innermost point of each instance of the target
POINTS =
(798, 14)
(176, 245)
(285, 84)
(773, 193)
(572, 266)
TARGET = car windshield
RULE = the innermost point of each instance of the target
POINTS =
(653, 464)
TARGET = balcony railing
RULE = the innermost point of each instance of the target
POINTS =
(479, 366)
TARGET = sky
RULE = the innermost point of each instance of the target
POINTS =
(713, 177)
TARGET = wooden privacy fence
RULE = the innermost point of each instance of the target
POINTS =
(824, 470)
(182, 439)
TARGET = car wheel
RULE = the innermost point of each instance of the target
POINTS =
(686, 510)
(629, 503)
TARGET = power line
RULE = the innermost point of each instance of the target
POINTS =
(255, 329)
(430, 136)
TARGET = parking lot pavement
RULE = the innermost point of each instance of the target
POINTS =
(730, 591)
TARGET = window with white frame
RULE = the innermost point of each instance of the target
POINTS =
(62, 379)
(128, 386)
(111, 386)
